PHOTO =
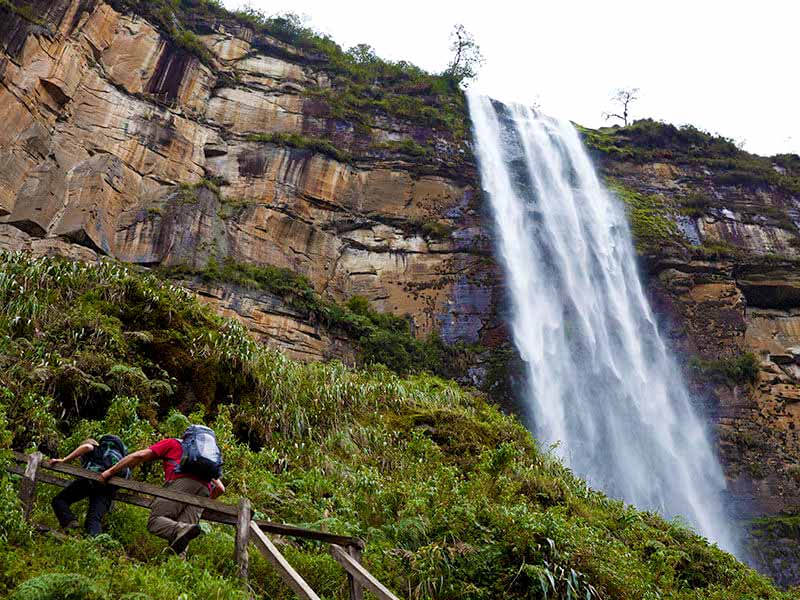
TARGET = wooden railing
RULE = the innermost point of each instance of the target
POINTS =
(345, 549)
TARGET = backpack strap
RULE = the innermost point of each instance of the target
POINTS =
(174, 462)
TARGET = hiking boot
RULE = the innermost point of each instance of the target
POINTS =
(179, 544)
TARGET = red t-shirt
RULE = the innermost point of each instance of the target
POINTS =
(170, 452)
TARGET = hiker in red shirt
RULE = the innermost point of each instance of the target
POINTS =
(176, 522)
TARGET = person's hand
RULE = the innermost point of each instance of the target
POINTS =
(105, 476)
(56, 461)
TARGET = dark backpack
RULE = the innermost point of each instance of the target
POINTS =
(109, 451)
(201, 455)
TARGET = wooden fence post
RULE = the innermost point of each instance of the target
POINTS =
(27, 488)
(243, 537)
(356, 591)
(288, 574)
(360, 574)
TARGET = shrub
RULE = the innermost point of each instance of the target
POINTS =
(294, 140)
(742, 370)
(59, 586)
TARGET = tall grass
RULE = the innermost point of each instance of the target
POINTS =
(454, 499)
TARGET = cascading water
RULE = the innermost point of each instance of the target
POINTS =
(601, 382)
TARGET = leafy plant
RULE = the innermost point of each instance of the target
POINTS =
(741, 370)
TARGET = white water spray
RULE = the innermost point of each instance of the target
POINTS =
(601, 382)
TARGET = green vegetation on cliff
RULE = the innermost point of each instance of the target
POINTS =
(741, 370)
(364, 87)
(22, 10)
(302, 142)
(647, 140)
(380, 337)
(453, 498)
(648, 216)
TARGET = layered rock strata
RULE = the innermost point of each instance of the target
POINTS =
(109, 124)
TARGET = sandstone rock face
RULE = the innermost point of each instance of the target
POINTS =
(107, 122)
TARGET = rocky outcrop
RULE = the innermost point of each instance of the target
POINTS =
(111, 126)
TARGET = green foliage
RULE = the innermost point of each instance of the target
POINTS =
(176, 18)
(647, 140)
(650, 221)
(188, 40)
(295, 140)
(381, 337)
(716, 250)
(187, 192)
(23, 10)
(365, 87)
(695, 204)
(431, 229)
(467, 56)
(742, 370)
(453, 498)
(13, 527)
(59, 586)
(408, 147)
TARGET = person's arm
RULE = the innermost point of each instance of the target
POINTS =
(217, 489)
(130, 461)
(77, 453)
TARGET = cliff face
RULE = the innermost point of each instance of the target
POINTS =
(121, 142)
(718, 233)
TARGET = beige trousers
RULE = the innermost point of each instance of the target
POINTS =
(169, 519)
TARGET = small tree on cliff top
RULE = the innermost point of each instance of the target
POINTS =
(622, 97)
(467, 56)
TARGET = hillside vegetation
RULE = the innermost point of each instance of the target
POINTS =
(454, 499)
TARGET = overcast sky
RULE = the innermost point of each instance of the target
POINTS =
(727, 66)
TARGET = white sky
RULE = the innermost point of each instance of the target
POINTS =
(727, 66)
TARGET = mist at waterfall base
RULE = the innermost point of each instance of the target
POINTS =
(600, 381)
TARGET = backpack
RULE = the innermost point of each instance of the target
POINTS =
(201, 455)
(109, 451)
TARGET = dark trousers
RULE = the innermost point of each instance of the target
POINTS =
(100, 498)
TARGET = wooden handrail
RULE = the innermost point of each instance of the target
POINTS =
(247, 530)
(215, 511)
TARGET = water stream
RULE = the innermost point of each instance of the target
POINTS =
(601, 382)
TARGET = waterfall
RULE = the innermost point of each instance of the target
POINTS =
(601, 383)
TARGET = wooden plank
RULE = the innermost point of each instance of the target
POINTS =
(288, 574)
(360, 574)
(27, 488)
(145, 488)
(243, 538)
(289, 530)
(311, 534)
(227, 514)
(41, 476)
(356, 591)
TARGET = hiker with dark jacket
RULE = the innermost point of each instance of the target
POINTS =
(95, 456)
(192, 465)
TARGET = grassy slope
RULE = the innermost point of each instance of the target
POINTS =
(454, 499)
